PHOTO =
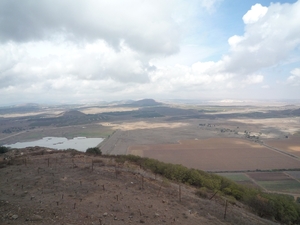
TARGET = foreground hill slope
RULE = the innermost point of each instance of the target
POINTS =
(43, 186)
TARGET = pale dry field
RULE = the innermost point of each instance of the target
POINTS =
(142, 125)
(287, 125)
(291, 144)
(95, 110)
(13, 115)
(218, 154)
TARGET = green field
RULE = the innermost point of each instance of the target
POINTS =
(291, 186)
(294, 174)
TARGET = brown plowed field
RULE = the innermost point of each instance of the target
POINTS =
(292, 144)
(218, 154)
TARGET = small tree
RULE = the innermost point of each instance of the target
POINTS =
(94, 151)
(3, 149)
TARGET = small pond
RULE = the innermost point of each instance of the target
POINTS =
(78, 143)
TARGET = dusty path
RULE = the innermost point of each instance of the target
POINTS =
(109, 145)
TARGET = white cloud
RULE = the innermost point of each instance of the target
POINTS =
(265, 86)
(210, 4)
(90, 20)
(93, 61)
(257, 12)
(234, 42)
(294, 79)
(83, 50)
(267, 41)
(254, 79)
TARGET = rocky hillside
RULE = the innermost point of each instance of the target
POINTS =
(44, 186)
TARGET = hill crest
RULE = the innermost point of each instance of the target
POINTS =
(145, 102)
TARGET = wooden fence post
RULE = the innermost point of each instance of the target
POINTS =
(180, 192)
(159, 188)
(213, 195)
(225, 209)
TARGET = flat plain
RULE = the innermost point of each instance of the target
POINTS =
(290, 144)
(218, 154)
(253, 137)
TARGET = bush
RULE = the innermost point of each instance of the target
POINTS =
(3, 149)
(93, 151)
(281, 208)
(202, 193)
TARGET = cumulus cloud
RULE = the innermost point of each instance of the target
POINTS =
(86, 49)
(257, 11)
(294, 79)
(93, 61)
(254, 79)
(90, 20)
(270, 35)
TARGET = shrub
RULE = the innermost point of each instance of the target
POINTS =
(3, 149)
(93, 151)
(202, 193)
(119, 159)
(282, 208)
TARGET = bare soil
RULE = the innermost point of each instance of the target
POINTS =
(42, 186)
(218, 154)
(290, 144)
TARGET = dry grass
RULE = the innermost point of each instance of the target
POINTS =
(288, 125)
(142, 125)
(13, 115)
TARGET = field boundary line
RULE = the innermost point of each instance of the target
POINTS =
(255, 182)
(281, 151)
(291, 177)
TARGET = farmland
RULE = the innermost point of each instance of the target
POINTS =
(216, 138)
(240, 178)
(208, 137)
(286, 182)
(291, 144)
(218, 154)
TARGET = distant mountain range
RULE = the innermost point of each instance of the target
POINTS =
(27, 107)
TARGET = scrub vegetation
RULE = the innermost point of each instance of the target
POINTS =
(282, 208)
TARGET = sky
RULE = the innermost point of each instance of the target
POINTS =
(87, 51)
